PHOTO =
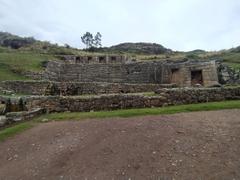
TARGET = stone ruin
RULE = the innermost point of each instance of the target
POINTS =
(120, 69)
(92, 83)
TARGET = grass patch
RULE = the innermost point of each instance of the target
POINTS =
(7, 74)
(231, 57)
(235, 66)
(12, 63)
(143, 112)
(24, 61)
(16, 129)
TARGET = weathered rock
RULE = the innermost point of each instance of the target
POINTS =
(228, 75)
(2, 109)
(3, 120)
(24, 115)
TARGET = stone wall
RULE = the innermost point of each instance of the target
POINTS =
(76, 88)
(163, 97)
(110, 59)
(156, 72)
(25, 87)
(13, 117)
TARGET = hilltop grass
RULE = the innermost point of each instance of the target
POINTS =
(231, 57)
(142, 112)
(11, 131)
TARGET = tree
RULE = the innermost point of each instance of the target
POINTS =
(88, 40)
(91, 42)
(98, 40)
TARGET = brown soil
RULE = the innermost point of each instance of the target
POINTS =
(199, 145)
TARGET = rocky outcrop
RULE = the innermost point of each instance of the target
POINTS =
(228, 75)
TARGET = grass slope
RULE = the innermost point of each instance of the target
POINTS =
(14, 62)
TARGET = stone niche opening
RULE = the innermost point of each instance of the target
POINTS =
(102, 59)
(78, 59)
(113, 59)
(196, 77)
(89, 58)
(175, 76)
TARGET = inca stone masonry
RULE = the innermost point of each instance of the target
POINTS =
(120, 69)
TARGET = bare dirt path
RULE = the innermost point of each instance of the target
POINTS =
(199, 145)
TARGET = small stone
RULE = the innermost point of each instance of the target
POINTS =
(174, 164)
(45, 120)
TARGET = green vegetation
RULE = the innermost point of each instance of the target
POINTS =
(12, 64)
(23, 61)
(143, 112)
(11, 131)
(232, 59)
(7, 74)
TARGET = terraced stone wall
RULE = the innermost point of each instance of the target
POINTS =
(163, 97)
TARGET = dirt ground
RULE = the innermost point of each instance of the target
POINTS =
(199, 145)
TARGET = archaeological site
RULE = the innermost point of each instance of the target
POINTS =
(94, 83)
(119, 90)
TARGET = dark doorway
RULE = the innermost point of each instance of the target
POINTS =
(196, 77)
(175, 78)
(113, 59)
(102, 59)
(78, 59)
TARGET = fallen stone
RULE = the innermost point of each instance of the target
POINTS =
(3, 120)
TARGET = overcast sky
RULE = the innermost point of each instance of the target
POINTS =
(176, 24)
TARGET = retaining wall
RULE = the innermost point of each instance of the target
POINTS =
(76, 88)
(163, 97)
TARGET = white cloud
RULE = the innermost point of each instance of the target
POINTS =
(180, 25)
